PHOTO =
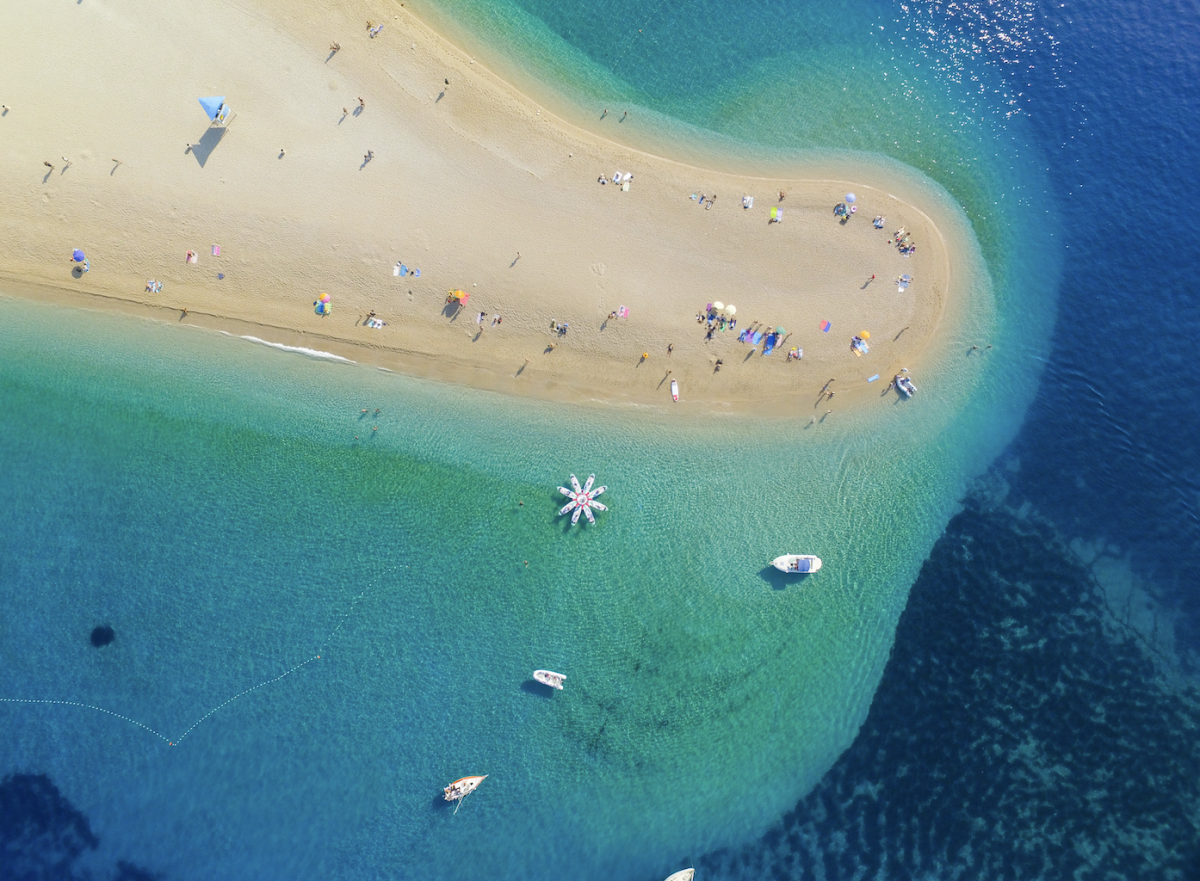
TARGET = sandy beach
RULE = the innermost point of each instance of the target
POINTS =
(470, 182)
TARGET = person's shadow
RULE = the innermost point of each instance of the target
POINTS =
(441, 95)
(358, 110)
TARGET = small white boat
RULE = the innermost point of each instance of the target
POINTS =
(462, 787)
(683, 875)
(904, 385)
(674, 390)
(548, 677)
(797, 563)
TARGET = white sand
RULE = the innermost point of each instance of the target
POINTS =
(464, 178)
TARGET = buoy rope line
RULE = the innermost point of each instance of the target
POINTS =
(176, 741)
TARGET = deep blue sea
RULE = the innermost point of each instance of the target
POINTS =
(317, 625)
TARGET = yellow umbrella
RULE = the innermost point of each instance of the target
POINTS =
(866, 334)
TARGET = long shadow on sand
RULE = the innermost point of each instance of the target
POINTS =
(208, 143)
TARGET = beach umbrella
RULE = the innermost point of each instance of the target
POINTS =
(850, 197)
(717, 305)
(77, 256)
(780, 330)
(906, 278)
(731, 310)
(866, 334)
(212, 106)
(324, 297)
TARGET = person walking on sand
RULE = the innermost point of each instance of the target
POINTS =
(362, 105)
(49, 164)
(335, 47)
(670, 349)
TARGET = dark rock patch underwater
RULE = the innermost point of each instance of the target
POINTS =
(43, 836)
(1019, 731)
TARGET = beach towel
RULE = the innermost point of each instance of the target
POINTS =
(825, 325)
(747, 201)
(757, 338)
(216, 250)
(403, 269)
(742, 337)
(774, 213)
(873, 378)
(622, 312)
(396, 269)
(192, 258)
(416, 273)
(769, 348)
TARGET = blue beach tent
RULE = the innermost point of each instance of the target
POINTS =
(215, 108)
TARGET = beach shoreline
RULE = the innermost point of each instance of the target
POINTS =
(488, 193)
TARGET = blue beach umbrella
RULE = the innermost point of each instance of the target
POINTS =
(212, 106)
(850, 197)
(77, 256)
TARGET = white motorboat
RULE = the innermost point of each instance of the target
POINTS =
(904, 385)
(462, 787)
(683, 875)
(548, 677)
(797, 563)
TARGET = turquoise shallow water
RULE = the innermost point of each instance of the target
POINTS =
(316, 632)
(206, 497)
